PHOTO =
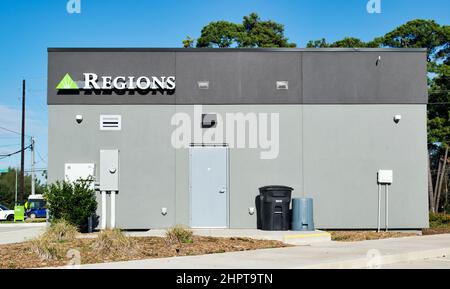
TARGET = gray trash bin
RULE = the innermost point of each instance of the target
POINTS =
(302, 214)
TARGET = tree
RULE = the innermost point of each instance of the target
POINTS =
(435, 38)
(8, 187)
(219, 34)
(258, 33)
(253, 32)
(346, 42)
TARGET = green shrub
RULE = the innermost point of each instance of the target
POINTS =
(72, 202)
(179, 234)
(439, 220)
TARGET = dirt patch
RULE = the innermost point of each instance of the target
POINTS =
(353, 236)
(21, 255)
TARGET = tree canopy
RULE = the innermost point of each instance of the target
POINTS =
(252, 32)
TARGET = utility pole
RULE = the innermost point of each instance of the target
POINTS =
(22, 153)
(32, 166)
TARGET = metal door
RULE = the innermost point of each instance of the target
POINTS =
(209, 187)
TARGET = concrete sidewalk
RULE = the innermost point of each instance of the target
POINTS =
(365, 254)
(20, 232)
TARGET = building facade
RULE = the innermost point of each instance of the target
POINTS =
(198, 131)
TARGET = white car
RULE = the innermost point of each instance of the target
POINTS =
(6, 214)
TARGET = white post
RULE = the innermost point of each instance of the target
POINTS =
(379, 209)
(113, 209)
(103, 226)
(387, 207)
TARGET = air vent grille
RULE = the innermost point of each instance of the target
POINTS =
(110, 122)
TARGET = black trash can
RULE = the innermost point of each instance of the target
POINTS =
(273, 208)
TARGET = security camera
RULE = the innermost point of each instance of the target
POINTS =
(397, 118)
(79, 118)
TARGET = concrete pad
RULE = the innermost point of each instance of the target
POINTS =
(365, 254)
(288, 237)
(22, 225)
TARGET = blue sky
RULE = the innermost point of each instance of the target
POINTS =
(28, 27)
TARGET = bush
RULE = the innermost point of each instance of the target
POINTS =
(113, 242)
(179, 234)
(72, 202)
(438, 220)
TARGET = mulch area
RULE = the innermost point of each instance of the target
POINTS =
(20, 255)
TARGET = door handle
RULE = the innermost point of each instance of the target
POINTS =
(222, 191)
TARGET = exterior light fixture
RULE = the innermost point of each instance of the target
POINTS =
(79, 118)
(397, 118)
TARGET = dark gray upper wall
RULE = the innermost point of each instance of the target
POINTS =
(248, 76)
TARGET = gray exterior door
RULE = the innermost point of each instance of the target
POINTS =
(209, 187)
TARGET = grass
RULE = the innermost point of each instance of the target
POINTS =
(113, 242)
(49, 246)
(179, 234)
(439, 224)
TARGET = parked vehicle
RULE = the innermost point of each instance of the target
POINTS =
(36, 207)
(6, 214)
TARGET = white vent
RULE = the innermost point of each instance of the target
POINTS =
(282, 85)
(110, 122)
(203, 84)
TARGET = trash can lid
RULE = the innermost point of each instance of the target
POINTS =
(275, 188)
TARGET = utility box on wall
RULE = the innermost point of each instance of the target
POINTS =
(79, 171)
(109, 170)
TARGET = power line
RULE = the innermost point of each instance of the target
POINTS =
(12, 131)
(39, 155)
(16, 152)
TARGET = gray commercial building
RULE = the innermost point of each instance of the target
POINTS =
(322, 121)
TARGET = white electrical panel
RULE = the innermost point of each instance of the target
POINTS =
(109, 170)
(76, 171)
(385, 176)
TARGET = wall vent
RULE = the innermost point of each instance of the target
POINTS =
(203, 84)
(110, 122)
(282, 85)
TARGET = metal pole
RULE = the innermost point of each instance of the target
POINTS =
(379, 209)
(32, 167)
(387, 207)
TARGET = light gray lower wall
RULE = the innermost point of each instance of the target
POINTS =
(328, 152)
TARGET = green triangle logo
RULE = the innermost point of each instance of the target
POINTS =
(67, 83)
